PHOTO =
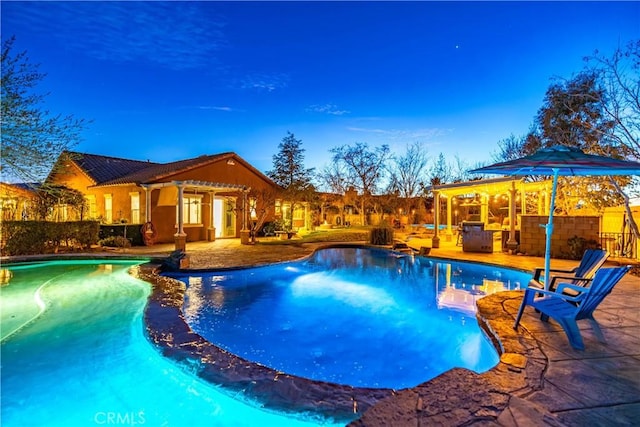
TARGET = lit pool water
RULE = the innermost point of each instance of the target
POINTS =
(74, 354)
(357, 316)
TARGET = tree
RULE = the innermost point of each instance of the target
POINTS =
(32, 138)
(407, 171)
(510, 148)
(440, 172)
(364, 169)
(407, 174)
(289, 173)
(261, 206)
(620, 77)
(573, 114)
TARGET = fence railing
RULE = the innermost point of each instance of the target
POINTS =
(620, 245)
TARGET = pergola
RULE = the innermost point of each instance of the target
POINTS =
(192, 185)
(486, 188)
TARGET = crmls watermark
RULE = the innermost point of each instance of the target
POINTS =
(111, 418)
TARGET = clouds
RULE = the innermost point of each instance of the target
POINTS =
(267, 82)
(175, 35)
(404, 134)
(331, 109)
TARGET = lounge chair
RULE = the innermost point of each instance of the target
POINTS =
(591, 261)
(567, 310)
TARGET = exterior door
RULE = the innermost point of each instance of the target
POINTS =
(224, 217)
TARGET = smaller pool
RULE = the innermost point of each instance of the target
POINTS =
(355, 316)
(74, 354)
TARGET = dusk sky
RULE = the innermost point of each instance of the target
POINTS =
(167, 81)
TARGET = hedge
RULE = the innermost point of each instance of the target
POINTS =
(130, 231)
(42, 237)
(381, 236)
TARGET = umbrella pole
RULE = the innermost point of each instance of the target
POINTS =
(549, 230)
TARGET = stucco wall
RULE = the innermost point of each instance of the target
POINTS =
(533, 239)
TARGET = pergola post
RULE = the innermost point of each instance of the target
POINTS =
(512, 243)
(245, 233)
(435, 243)
(147, 203)
(180, 237)
(449, 235)
(211, 231)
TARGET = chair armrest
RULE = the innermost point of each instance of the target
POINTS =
(537, 272)
(583, 280)
(582, 291)
(556, 294)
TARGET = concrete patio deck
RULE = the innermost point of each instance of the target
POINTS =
(540, 379)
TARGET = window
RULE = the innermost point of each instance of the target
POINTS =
(9, 208)
(61, 212)
(253, 205)
(135, 208)
(91, 203)
(191, 209)
(108, 209)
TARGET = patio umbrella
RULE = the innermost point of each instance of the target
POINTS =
(560, 160)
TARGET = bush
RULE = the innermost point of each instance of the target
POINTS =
(577, 246)
(381, 236)
(41, 237)
(130, 231)
(115, 242)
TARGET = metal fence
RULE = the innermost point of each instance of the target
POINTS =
(620, 245)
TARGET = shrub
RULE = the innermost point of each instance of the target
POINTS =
(41, 237)
(577, 246)
(381, 236)
(130, 231)
(115, 242)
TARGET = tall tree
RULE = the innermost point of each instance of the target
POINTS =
(620, 76)
(364, 169)
(289, 173)
(406, 171)
(440, 172)
(510, 148)
(32, 137)
(288, 165)
(573, 114)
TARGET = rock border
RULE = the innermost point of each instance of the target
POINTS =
(456, 397)
(167, 330)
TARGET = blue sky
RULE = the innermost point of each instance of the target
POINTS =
(171, 80)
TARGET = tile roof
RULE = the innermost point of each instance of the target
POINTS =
(102, 169)
(158, 171)
(106, 171)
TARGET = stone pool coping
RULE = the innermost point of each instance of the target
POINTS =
(167, 329)
(456, 397)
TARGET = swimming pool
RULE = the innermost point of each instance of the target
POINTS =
(357, 316)
(74, 354)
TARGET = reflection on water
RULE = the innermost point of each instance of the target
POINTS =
(357, 316)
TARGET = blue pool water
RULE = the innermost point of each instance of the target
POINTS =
(355, 316)
(74, 354)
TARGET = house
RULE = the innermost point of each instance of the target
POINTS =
(203, 198)
(17, 200)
